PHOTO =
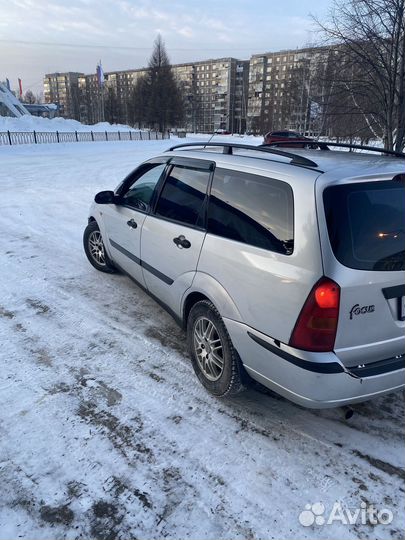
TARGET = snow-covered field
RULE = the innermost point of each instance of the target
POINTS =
(104, 430)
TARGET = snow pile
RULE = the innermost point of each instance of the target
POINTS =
(35, 123)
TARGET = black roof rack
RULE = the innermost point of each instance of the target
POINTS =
(296, 159)
(324, 145)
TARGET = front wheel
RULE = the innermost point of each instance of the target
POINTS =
(215, 361)
(94, 248)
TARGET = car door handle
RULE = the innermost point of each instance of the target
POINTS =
(182, 242)
(132, 223)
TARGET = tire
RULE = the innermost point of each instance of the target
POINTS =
(215, 361)
(95, 251)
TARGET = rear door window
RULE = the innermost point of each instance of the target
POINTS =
(366, 224)
(183, 196)
(252, 209)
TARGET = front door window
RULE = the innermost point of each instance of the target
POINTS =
(139, 193)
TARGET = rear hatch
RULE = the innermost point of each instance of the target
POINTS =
(365, 226)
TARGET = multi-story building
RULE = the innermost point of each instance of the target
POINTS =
(240, 103)
(110, 102)
(280, 88)
(185, 74)
(272, 91)
(120, 84)
(215, 94)
(63, 90)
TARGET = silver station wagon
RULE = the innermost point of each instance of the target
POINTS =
(286, 266)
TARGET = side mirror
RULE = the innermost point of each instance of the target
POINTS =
(105, 197)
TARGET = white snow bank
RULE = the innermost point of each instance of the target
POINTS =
(35, 123)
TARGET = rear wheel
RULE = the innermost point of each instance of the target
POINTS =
(94, 248)
(215, 361)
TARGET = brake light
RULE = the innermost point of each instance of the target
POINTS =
(315, 329)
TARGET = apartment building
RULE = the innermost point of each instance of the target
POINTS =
(271, 91)
(63, 90)
(215, 94)
(96, 103)
(281, 85)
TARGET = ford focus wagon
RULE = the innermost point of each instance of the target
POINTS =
(285, 267)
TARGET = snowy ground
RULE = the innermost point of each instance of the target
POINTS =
(35, 123)
(105, 432)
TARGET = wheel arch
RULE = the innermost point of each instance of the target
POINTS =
(191, 299)
(205, 287)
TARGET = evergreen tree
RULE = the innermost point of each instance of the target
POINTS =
(157, 100)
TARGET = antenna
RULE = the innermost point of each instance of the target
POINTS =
(209, 140)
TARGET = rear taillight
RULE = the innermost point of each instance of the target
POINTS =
(315, 329)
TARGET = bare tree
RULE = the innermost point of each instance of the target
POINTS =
(334, 109)
(30, 98)
(111, 106)
(191, 104)
(369, 35)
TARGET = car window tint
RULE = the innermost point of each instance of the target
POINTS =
(252, 209)
(140, 193)
(366, 224)
(183, 195)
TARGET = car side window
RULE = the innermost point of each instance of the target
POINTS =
(139, 194)
(183, 195)
(252, 209)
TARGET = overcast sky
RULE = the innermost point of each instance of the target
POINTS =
(38, 36)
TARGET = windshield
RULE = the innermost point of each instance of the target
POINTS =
(366, 224)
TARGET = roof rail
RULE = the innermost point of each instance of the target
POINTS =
(324, 145)
(296, 159)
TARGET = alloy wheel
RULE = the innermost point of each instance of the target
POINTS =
(96, 248)
(208, 348)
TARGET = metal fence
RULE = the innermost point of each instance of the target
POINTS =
(42, 137)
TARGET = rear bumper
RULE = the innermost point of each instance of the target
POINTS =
(315, 380)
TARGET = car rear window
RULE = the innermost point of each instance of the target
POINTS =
(366, 224)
